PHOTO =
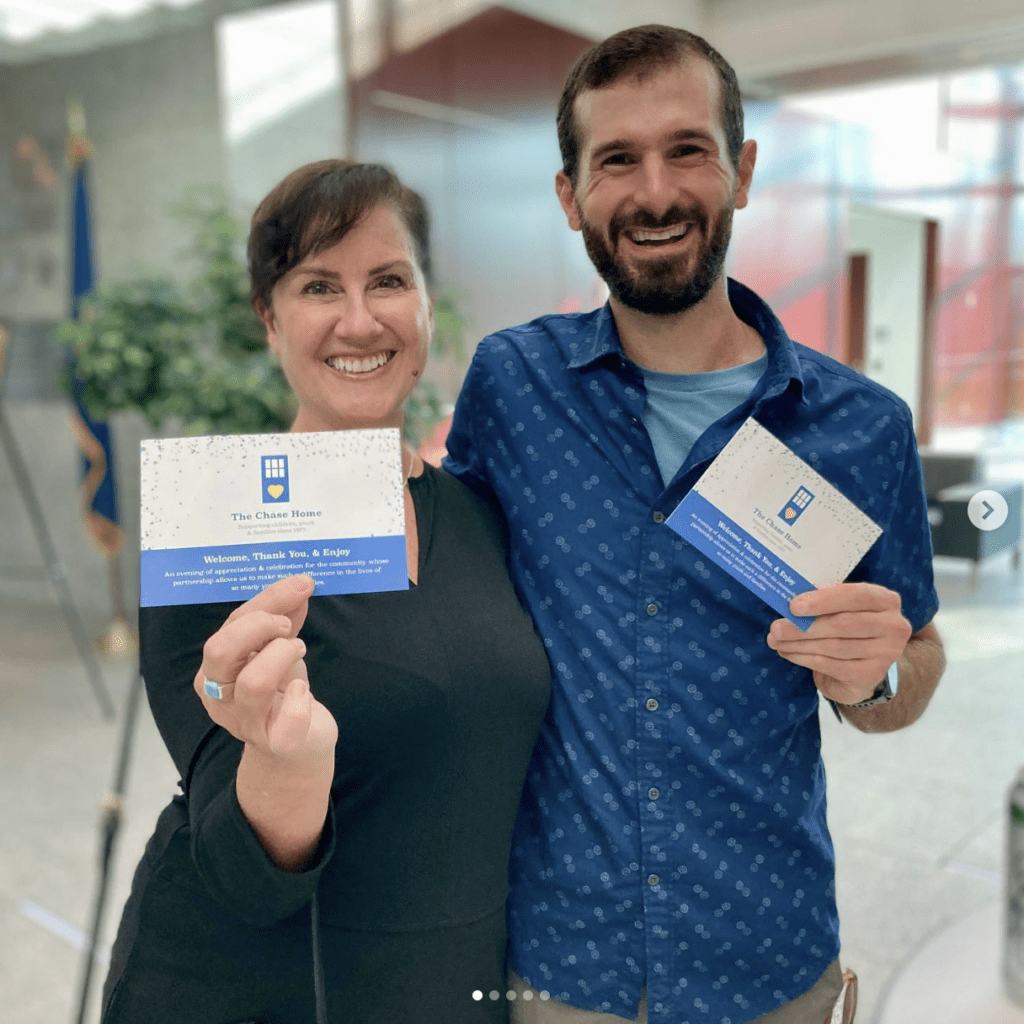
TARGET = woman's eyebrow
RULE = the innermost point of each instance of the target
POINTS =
(390, 265)
(318, 272)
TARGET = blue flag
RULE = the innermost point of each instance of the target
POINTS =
(99, 497)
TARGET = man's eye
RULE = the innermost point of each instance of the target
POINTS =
(617, 159)
(685, 151)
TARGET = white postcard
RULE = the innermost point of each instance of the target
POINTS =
(772, 522)
(222, 517)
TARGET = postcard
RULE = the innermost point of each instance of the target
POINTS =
(773, 522)
(223, 517)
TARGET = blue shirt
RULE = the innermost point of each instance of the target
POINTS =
(672, 831)
(681, 406)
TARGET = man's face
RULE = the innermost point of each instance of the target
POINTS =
(656, 187)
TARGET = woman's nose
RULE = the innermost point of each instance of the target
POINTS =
(356, 319)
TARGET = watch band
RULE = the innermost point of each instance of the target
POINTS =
(884, 692)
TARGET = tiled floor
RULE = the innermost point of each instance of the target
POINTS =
(917, 817)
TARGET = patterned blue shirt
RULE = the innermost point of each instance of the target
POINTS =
(672, 831)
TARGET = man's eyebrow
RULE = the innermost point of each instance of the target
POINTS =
(691, 135)
(609, 147)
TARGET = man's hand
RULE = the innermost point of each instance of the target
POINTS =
(858, 632)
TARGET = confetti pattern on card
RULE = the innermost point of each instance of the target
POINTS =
(193, 486)
(796, 511)
(224, 517)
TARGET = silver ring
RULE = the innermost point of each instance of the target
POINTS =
(213, 690)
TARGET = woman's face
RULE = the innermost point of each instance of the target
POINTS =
(352, 325)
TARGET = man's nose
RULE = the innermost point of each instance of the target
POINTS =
(656, 191)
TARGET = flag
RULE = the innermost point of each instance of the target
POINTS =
(98, 493)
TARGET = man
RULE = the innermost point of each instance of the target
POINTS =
(672, 857)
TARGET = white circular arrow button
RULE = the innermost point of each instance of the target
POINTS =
(987, 510)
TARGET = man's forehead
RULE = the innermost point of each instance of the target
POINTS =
(690, 86)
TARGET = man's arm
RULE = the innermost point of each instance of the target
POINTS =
(858, 632)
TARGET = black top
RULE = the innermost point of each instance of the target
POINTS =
(438, 692)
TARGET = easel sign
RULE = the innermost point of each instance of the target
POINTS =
(223, 517)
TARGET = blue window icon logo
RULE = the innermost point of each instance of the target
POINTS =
(274, 470)
(793, 508)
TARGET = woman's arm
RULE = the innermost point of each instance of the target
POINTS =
(253, 867)
(283, 781)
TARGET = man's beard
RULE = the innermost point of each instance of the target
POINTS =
(661, 286)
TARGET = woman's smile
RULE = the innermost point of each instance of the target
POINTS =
(359, 364)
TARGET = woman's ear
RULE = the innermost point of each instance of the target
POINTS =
(266, 315)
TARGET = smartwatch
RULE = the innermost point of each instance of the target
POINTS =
(884, 691)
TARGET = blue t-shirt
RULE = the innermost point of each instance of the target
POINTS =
(672, 831)
(681, 406)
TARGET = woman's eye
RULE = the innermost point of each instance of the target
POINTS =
(315, 288)
(390, 281)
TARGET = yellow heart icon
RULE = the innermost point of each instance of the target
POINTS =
(790, 513)
(275, 490)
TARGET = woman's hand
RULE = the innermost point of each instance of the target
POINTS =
(284, 777)
(257, 659)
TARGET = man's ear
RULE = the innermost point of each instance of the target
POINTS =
(745, 172)
(567, 199)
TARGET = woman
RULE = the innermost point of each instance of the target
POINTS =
(366, 750)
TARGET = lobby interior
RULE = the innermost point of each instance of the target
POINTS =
(919, 817)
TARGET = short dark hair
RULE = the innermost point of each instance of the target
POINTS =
(314, 207)
(640, 52)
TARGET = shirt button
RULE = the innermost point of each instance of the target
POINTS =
(659, 516)
(652, 609)
(654, 793)
(652, 704)
(653, 879)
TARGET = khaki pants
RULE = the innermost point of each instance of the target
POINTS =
(813, 1007)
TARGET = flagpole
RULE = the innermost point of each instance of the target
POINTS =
(99, 498)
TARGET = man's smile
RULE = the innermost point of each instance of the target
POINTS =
(663, 236)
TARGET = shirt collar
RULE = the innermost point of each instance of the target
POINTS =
(602, 340)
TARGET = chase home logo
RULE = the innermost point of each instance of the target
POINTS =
(274, 470)
(791, 511)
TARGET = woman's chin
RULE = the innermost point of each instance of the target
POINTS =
(351, 419)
